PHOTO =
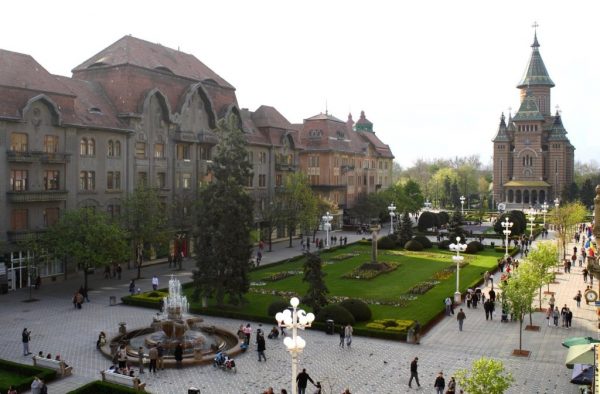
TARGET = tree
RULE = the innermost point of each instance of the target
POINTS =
(518, 293)
(486, 376)
(565, 218)
(455, 195)
(587, 193)
(317, 290)
(414, 198)
(89, 238)
(297, 205)
(406, 231)
(542, 257)
(455, 227)
(146, 220)
(426, 220)
(224, 221)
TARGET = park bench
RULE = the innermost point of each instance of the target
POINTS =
(129, 381)
(58, 366)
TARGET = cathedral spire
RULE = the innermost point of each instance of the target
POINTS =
(535, 72)
(501, 135)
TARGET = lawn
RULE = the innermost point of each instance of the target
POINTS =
(391, 287)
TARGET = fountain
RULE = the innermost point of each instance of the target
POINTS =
(173, 325)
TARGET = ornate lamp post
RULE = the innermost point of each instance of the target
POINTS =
(544, 211)
(294, 319)
(462, 205)
(392, 209)
(327, 218)
(531, 218)
(458, 247)
(507, 225)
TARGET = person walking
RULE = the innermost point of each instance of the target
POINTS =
(555, 315)
(461, 318)
(577, 298)
(141, 358)
(348, 334)
(439, 384)
(36, 385)
(451, 386)
(122, 356)
(178, 354)
(414, 366)
(342, 336)
(26, 337)
(155, 283)
(261, 346)
(585, 274)
(551, 302)
(302, 380)
(161, 356)
(132, 287)
(569, 317)
(153, 355)
(119, 271)
(549, 313)
(448, 304)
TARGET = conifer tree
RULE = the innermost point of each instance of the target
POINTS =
(455, 227)
(406, 230)
(314, 275)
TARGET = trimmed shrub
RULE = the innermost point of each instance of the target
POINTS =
(100, 387)
(473, 247)
(424, 241)
(386, 243)
(24, 375)
(277, 306)
(443, 218)
(359, 309)
(413, 245)
(445, 244)
(336, 313)
(426, 220)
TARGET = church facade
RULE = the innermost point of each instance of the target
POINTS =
(533, 159)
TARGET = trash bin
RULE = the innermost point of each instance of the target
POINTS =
(193, 390)
(112, 300)
(330, 326)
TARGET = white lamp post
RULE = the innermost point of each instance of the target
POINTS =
(544, 211)
(462, 205)
(327, 218)
(458, 247)
(507, 225)
(294, 319)
(531, 218)
(392, 209)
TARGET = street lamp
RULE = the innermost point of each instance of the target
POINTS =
(507, 225)
(392, 209)
(462, 205)
(458, 247)
(544, 211)
(327, 218)
(294, 319)
(531, 218)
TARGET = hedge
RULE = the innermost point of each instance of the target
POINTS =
(100, 387)
(357, 308)
(27, 372)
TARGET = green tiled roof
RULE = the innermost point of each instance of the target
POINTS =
(502, 135)
(528, 109)
(535, 73)
(557, 132)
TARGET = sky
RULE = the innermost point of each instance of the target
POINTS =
(433, 76)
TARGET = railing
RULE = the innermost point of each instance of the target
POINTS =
(32, 156)
(37, 196)
(285, 167)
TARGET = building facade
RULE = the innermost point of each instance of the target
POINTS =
(136, 112)
(533, 160)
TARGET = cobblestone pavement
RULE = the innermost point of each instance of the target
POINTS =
(370, 366)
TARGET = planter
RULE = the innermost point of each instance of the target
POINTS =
(549, 292)
(532, 328)
(521, 353)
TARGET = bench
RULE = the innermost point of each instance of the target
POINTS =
(59, 366)
(129, 381)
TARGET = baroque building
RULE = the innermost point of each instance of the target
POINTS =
(138, 112)
(533, 159)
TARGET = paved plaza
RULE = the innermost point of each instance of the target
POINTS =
(370, 366)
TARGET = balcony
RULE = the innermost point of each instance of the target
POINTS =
(345, 168)
(20, 156)
(285, 167)
(33, 156)
(21, 235)
(37, 196)
(54, 158)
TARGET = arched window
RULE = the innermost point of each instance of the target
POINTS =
(518, 196)
(91, 147)
(511, 196)
(542, 195)
(526, 196)
(111, 148)
(83, 147)
(534, 199)
(118, 148)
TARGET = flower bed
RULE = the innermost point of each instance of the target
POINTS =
(391, 325)
(280, 275)
(422, 287)
(344, 256)
(447, 272)
(371, 270)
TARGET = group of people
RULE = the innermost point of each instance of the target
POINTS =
(113, 271)
(346, 335)
(79, 296)
(439, 383)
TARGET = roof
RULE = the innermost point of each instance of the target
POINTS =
(325, 116)
(363, 124)
(137, 52)
(502, 135)
(535, 72)
(266, 116)
(557, 131)
(528, 110)
(527, 184)
(23, 71)
(382, 149)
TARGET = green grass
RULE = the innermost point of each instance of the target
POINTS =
(11, 378)
(414, 267)
(20, 376)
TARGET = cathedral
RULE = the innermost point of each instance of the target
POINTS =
(533, 159)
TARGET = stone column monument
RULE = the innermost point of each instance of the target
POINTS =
(374, 231)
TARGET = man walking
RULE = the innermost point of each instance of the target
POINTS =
(413, 372)
(154, 282)
(153, 355)
(26, 336)
(261, 346)
(439, 384)
(302, 380)
(448, 303)
(461, 318)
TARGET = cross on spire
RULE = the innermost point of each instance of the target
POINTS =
(535, 26)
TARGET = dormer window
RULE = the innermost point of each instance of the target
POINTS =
(95, 110)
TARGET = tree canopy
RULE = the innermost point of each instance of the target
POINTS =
(485, 376)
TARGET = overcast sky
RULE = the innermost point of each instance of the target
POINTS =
(433, 76)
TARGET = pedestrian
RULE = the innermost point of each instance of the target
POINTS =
(348, 334)
(122, 356)
(417, 329)
(551, 302)
(261, 346)
(486, 278)
(153, 355)
(342, 336)
(178, 354)
(569, 317)
(492, 294)
(577, 298)
(132, 287)
(302, 380)
(488, 308)
(549, 313)
(555, 315)
(468, 298)
(563, 315)
(439, 384)
(141, 358)
(26, 337)
(585, 274)
(161, 356)
(414, 374)
(247, 333)
(155, 283)
(451, 386)
(36, 385)
(461, 318)
(119, 270)
(448, 304)
(79, 299)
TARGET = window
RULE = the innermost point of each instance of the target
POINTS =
(159, 151)
(186, 180)
(205, 153)
(18, 180)
(51, 216)
(51, 180)
(381, 165)
(111, 148)
(313, 161)
(262, 180)
(117, 148)
(183, 152)
(50, 143)
(351, 180)
(87, 147)
(250, 181)
(278, 180)
(87, 180)
(140, 150)
(113, 210)
(251, 157)
(142, 178)
(19, 219)
(113, 180)
(262, 157)
(18, 142)
(161, 180)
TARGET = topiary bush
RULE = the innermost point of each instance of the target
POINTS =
(443, 218)
(386, 243)
(473, 247)
(359, 309)
(445, 244)
(413, 245)
(424, 241)
(426, 220)
(335, 312)
(277, 306)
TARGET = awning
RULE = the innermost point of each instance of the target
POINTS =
(526, 184)
(579, 341)
(580, 354)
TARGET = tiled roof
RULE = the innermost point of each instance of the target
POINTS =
(382, 149)
(502, 135)
(535, 73)
(325, 132)
(22, 71)
(325, 116)
(137, 52)
(529, 109)
(557, 131)
(266, 116)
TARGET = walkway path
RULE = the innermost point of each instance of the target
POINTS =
(371, 366)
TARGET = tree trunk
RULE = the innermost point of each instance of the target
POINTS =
(85, 277)
(521, 333)
(290, 245)
(541, 295)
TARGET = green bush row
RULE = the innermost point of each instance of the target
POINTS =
(27, 372)
(100, 387)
